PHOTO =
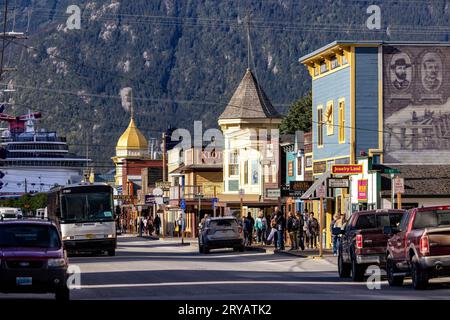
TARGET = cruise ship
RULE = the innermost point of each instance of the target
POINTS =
(36, 160)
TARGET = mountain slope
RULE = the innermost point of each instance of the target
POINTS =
(182, 58)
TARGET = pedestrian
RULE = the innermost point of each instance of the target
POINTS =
(145, 225)
(150, 225)
(249, 223)
(259, 228)
(273, 224)
(338, 222)
(292, 228)
(179, 225)
(301, 224)
(313, 227)
(157, 224)
(281, 227)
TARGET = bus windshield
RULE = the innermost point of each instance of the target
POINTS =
(86, 207)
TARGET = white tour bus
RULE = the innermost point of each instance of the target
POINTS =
(85, 214)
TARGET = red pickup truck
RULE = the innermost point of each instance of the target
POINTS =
(363, 242)
(419, 247)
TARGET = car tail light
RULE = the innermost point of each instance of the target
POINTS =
(359, 241)
(240, 229)
(424, 245)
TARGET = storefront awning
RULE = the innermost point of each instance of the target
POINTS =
(311, 193)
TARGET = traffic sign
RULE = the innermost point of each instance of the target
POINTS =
(158, 192)
(241, 192)
(399, 185)
(183, 204)
(149, 199)
(214, 202)
(391, 171)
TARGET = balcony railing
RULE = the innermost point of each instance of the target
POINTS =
(208, 190)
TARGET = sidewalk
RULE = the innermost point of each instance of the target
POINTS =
(327, 254)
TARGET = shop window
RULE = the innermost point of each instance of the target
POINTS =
(299, 166)
(344, 59)
(319, 126)
(323, 67)
(246, 172)
(291, 168)
(233, 165)
(329, 118)
(341, 116)
(334, 63)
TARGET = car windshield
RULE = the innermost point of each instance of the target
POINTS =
(222, 223)
(432, 219)
(87, 207)
(374, 221)
(35, 236)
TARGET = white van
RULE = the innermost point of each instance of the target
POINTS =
(41, 213)
(10, 213)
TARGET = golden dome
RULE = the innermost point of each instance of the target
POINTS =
(132, 139)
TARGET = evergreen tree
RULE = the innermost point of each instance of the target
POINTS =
(299, 116)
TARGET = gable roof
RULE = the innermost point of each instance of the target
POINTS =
(249, 101)
(420, 180)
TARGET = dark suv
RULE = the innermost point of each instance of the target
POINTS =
(32, 258)
(363, 241)
(419, 247)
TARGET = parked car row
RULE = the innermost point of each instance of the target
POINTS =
(414, 243)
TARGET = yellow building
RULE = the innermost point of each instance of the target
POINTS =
(132, 144)
(251, 160)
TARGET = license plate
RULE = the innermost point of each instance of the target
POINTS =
(90, 236)
(24, 281)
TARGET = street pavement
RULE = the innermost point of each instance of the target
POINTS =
(167, 270)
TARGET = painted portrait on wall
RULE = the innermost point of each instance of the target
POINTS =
(416, 104)
(431, 71)
(401, 71)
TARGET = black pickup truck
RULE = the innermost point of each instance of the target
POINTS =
(363, 241)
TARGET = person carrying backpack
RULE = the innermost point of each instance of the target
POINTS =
(260, 228)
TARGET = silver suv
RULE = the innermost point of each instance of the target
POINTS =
(223, 232)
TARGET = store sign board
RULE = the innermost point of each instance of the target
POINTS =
(347, 169)
(338, 183)
(362, 190)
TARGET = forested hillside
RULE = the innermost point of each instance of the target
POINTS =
(183, 58)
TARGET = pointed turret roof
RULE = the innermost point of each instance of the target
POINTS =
(249, 101)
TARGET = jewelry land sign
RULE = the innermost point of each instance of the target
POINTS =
(347, 169)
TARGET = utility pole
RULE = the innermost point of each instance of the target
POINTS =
(392, 191)
(26, 186)
(6, 38)
(164, 155)
(5, 21)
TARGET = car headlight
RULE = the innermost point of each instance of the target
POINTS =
(68, 238)
(52, 263)
(110, 236)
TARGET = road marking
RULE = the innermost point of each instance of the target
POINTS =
(196, 283)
